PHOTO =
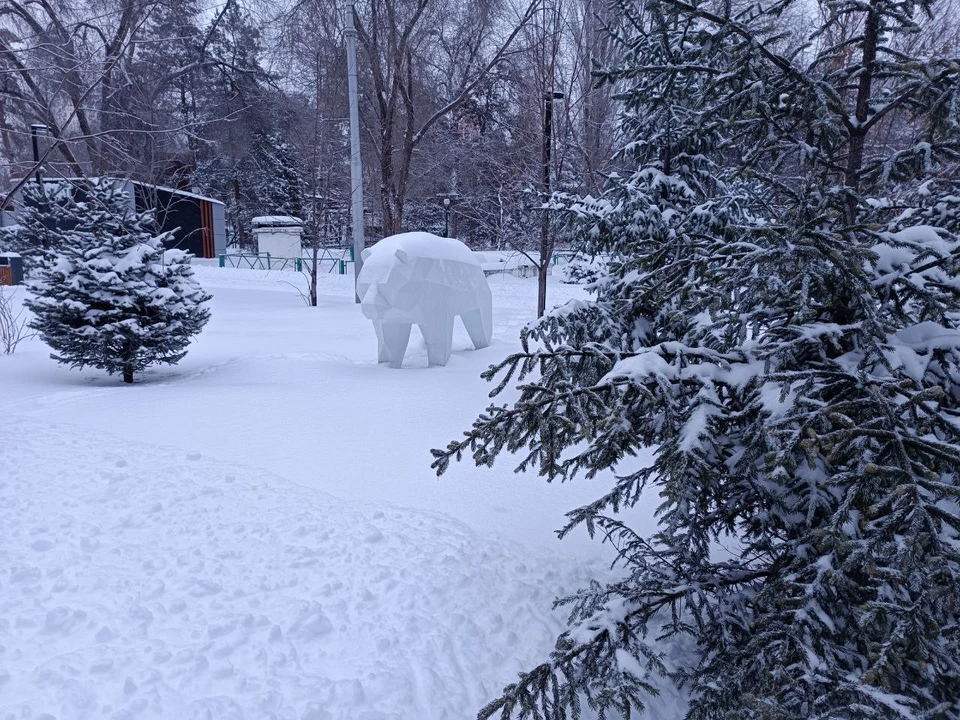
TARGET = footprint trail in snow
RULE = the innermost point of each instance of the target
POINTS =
(140, 582)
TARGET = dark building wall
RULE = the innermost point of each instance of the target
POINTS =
(174, 213)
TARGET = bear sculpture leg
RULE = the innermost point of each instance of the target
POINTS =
(392, 339)
(478, 326)
(438, 335)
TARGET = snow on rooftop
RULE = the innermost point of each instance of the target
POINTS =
(177, 191)
(149, 186)
(276, 221)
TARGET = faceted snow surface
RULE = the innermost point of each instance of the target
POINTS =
(421, 279)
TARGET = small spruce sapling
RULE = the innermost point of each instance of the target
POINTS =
(110, 295)
(44, 212)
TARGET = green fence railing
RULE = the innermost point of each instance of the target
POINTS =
(260, 261)
(338, 259)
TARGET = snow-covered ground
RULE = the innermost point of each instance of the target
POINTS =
(256, 532)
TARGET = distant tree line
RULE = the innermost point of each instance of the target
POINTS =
(248, 103)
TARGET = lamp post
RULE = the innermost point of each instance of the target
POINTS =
(548, 99)
(545, 249)
(37, 131)
(448, 200)
(356, 171)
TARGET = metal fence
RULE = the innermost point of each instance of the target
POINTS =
(328, 260)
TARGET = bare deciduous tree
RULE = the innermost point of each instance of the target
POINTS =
(399, 39)
(13, 324)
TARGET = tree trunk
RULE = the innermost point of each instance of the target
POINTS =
(858, 131)
(128, 375)
(388, 224)
(542, 287)
(241, 240)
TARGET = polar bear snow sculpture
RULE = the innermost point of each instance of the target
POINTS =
(421, 278)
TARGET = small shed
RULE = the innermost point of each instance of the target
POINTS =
(11, 269)
(279, 235)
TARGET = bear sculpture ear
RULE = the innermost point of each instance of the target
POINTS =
(402, 257)
(365, 253)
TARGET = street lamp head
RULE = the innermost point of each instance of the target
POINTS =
(446, 202)
(37, 131)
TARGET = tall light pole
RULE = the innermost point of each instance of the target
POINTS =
(545, 245)
(38, 131)
(356, 169)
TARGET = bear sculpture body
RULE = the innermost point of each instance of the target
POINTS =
(421, 279)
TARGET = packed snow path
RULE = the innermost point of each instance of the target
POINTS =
(138, 582)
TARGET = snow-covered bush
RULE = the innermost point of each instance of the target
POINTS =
(582, 270)
(108, 294)
(779, 324)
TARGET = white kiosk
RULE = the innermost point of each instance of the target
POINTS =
(278, 235)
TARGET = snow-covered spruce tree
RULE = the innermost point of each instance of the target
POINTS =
(279, 185)
(109, 295)
(44, 209)
(780, 323)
